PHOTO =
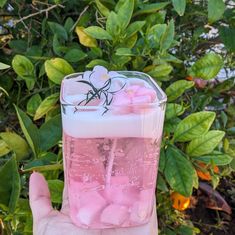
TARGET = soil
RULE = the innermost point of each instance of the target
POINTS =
(215, 222)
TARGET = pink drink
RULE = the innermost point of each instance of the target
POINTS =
(111, 161)
(111, 181)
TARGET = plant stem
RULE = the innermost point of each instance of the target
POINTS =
(79, 17)
(110, 163)
(38, 13)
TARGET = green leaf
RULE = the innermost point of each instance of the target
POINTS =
(224, 85)
(205, 143)
(162, 161)
(151, 8)
(95, 62)
(4, 148)
(185, 230)
(29, 129)
(216, 10)
(22, 66)
(10, 184)
(59, 30)
(171, 124)
(56, 189)
(98, 33)
(118, 4)
(75, 55)
(50, 133)
(173, 110)
(53, 167)
(231, 130)
(124, 51)
(168, 231)
(34, 51)
(207, 67)
(227, 35)
(130, 42)
(53, 112)
(25, 69)
(179, 172)
(33, 104)
(46, 105)
(161, 184)
(170, 58)
(4, 66)
(154, 35)
(134, 28)
(57, 69)
(57, 47)
(177, 88)
(46, 158)
(112, 25)
(95, 53)
(118, 62)
(102, 8)
(16, 143)
(161, 70)
(124, 13)
(168, 36)
(179, 6)
(215, 157)
(195, 180)
(224, 118)
(18, 46)
(2, 3)
(68, 25)
(23, 207)
(194, 126)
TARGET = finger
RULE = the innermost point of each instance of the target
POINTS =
(39, 196)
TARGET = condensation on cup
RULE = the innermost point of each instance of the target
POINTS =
(112, 130)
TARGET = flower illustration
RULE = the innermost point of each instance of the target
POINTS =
(100, 76)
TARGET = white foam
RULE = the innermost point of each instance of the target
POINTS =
(92, 124)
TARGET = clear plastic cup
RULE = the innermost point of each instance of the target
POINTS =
(111, 155)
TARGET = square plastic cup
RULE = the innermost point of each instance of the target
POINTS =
(111, 155)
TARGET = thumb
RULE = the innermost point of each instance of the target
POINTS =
(39, 196)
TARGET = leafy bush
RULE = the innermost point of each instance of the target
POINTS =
(42, 42)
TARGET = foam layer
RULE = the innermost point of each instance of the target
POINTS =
(93, 124)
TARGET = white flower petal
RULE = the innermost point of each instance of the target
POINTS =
(86, 75)
(100, 69)
(96, 79)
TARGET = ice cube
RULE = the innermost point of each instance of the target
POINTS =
(90, 197)
(147, 195)
(139, 212)
(122, 195)
(114, 214)
(142, 208)
(92, 204)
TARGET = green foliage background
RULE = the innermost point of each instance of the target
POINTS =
(42, 41)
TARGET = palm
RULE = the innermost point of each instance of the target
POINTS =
(48, 221)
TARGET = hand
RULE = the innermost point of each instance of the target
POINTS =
(47, 221)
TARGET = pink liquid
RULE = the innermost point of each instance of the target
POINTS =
(111, 182)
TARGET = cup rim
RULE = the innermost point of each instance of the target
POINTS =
(159, 102)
